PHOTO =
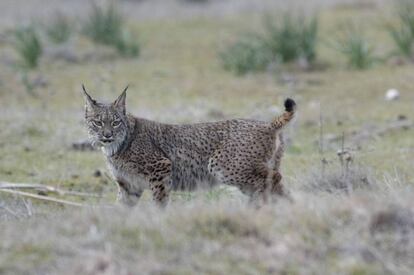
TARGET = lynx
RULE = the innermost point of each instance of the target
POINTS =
(143, 154)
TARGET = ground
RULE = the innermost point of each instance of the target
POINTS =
(178, 78)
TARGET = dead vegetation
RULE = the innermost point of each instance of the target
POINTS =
(363, 232)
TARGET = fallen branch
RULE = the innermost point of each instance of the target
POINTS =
(45, 188)
(45, 198)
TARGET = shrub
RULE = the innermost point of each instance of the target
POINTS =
(286, 38)
(127, 46)
(290, 36)
(59, 29)
(357, 50)
(308, 39)
(403, 39)
(28, 46)
(403, 33)
(405, 10)
(106, 26)
(248, 54)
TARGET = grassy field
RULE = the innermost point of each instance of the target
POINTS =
(178, 78)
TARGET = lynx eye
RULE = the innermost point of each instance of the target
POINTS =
(97, 123)
(116, 123)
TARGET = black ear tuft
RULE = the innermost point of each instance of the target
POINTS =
(290, 105)
(120, 101)
(89, 100)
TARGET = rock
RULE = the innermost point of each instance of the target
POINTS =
(401, 117)
(97, 173)
(392, 94)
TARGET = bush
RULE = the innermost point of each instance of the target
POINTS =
(403, 40)
(309, 35)
(405, 9)
(246, 55)
(403, 33)
(127, 46)
(28, 46)
(106, 26)
(286, 38)
(290, 37)
(59, 29)
(357, 50)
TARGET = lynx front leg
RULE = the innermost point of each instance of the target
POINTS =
(159, 180)
(127, 195)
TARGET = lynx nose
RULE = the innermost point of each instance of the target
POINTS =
(107, 134)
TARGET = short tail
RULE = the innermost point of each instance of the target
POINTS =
(282, 120)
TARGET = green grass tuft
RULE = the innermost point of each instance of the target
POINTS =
(287, 38)
(127, 46)
(28, 46)
(59, 29)
(291, 36)
(106, 26)
(356, 49)
(248, 54)
(403, 34)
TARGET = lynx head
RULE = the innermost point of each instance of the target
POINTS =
(107, 124)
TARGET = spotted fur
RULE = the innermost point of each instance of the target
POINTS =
(144, 154)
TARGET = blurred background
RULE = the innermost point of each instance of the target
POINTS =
(347, 63)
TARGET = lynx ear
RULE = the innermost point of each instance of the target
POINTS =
(119, 103)
(90, 102)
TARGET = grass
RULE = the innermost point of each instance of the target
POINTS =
(316, 230)
(59, 29)
(402, 34)
(405, 11)
(248, 54)
(178, 78)
(28, 46)
(403, 39)
(291, 36)
(355, 47)
(127, 46)
(106, 25)
(287, 37)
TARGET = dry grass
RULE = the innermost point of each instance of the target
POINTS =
(363, 233)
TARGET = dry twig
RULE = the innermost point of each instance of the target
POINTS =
(45, 188)
(39, 197)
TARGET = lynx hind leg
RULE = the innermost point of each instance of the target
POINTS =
(159, 180)
(267, 188)
(247, 171)
(240, 170)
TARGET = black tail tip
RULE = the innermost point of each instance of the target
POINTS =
(290, 105)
